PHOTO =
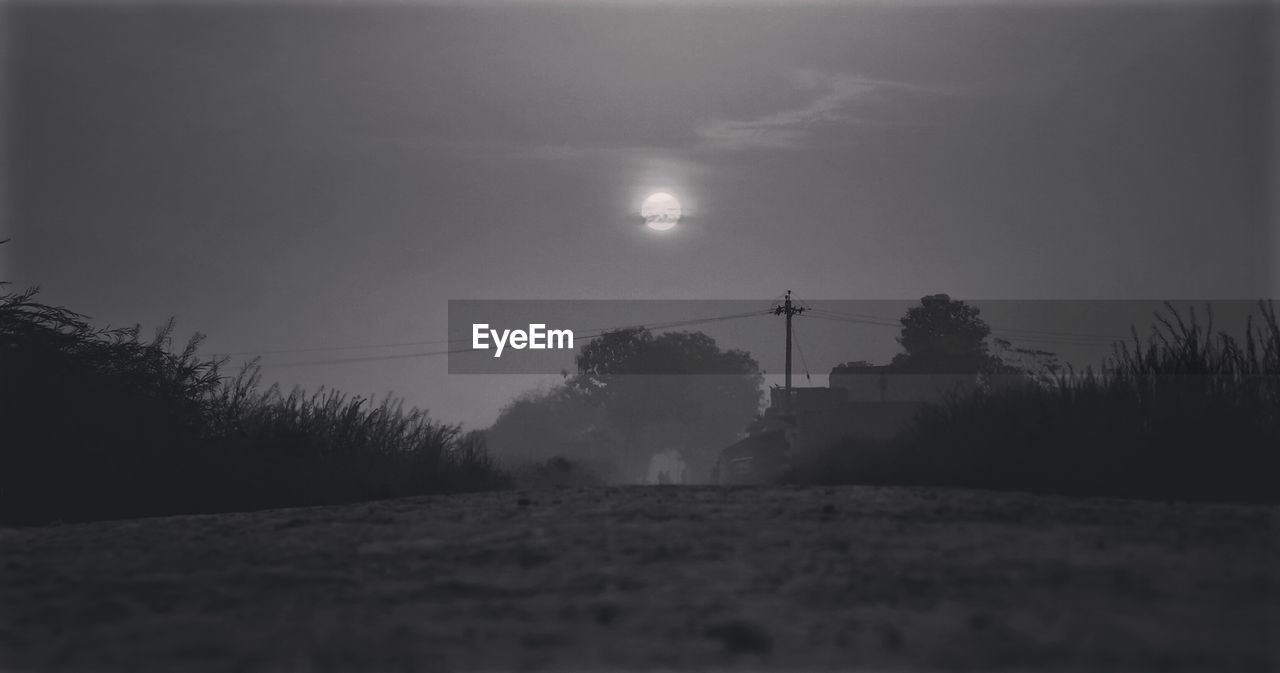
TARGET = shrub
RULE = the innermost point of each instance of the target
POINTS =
(1189, 414)
(101, 424)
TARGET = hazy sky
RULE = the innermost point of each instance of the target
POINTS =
(300, 176)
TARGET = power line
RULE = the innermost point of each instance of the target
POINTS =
(320, 349)
(885, 321)
(590, 337)
(832, 315)
(1022, 335)
(1032, 336)
(800, 349)
(599, 330)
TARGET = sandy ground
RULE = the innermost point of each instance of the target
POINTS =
(654, 578)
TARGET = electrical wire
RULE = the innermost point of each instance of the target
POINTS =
(320, 349)
(795, 336)
(1022, 335)
(602, 332)
(597, 330)
(1031, 336)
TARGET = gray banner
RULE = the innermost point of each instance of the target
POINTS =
(533, 336)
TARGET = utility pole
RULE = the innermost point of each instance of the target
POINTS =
(788, 310)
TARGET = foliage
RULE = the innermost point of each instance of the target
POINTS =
(636, 393)
(945, 336)
(1187, 414)
(99, 423)
(541, 425)
(638, 351)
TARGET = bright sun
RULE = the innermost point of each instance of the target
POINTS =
(660, 211)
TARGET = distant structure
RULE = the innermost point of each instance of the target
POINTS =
(861, 401)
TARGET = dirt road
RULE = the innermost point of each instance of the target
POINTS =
(652, 578)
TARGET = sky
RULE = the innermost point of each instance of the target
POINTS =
(296, 176)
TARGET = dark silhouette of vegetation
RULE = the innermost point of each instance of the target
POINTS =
(99, 423)
(945, 336)
(635, 394)
(555, 424)
(1187, 414)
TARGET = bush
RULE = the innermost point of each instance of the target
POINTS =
(1190, 414)
(98, 423)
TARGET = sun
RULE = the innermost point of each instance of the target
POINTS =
(660, 211)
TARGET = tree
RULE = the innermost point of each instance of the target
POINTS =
(638, 351)
(945, 336)
(636, 394)
(555, 423)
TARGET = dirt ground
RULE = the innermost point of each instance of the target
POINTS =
(654, 578)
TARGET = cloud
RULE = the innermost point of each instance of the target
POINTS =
(832, 98)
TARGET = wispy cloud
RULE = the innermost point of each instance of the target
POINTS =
(833, 98)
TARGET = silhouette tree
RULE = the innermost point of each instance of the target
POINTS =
(945, 336)
(636, 394)
(541, 425)
(638, 351)
(677, 390)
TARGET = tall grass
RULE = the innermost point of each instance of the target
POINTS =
(100, 423)
(1189, 413)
